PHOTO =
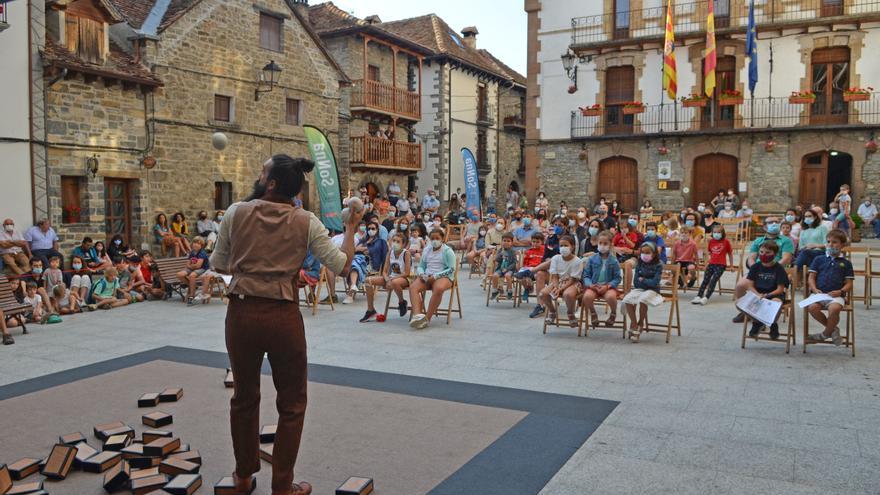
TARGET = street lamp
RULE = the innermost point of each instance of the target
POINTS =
(571, 70)
(268, 79)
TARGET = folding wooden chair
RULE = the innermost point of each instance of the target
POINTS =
(409, 277)
(514, 287)
(620, 324)
(669, 293)
(849, 328)
(860, 273)
(787, 314)
(454, 298)
(557, 322)
(324, 279)
(873, 268)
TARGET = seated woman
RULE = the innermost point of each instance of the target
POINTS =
(601, 276)
(394, 275)
(436, 272)
(180, 230)
(101, 257)
(478, 247)
(369, 257)
(205, 227)
(165, 237)
(646, 212)
(118, 249)
(80, 281)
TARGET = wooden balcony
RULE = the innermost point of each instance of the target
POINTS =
(382, 98)
(371, 152)
(515, 123)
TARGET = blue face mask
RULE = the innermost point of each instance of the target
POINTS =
(789, 218)
(773, 228)
(633, 222)
(527, 221)
(832, 252)
(808, 220)
(689, 223)
(650, 234)
(38, 270)
(558, 229)
(593, 231)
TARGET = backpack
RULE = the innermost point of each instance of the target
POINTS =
(90, 299)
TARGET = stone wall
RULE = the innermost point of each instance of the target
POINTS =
(509, 150)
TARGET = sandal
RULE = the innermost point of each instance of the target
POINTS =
(594, 320)
(551, 317)
(572, 320)
(611, 320)
(634, 335)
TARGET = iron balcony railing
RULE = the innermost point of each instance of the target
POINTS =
(760, 113)
(690, 18)
(515, 122)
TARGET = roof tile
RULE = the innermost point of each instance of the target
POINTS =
(119, 64)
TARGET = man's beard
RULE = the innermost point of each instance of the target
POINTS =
(258, 192)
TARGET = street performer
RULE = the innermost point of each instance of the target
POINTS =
(262, 244)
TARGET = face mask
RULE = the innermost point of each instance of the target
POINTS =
(482, 233)
(77, 266)
(593, 231)
(117, 242)
(867, 203)
(701, 209)
(499, 227)
(603, 248)
(582, 215)
(436, 243)
(571, 223)
(685, 239)
(563, 211)
(37, 270)
(372, 232)
(565, 251)
(403, 227)
(219, 217)
(633, 222)
(362, 229)
(730, 193)
(833, 211)
(650, 234)
(767, 258)
(202, 217)
(647, 258)
(689, 223)
(397, 246)
(527, 221)
(832, 252)
(808, 220)
(789, 218)
(745, 207)
(716, 235)
(9, 228)
(728, 207)
(558, 229)
(773, 228)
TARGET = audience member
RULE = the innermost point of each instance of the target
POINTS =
(14, 249)
(43, 241)
(436, 272)
(833, 276)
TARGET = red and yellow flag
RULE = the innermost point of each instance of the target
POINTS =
(670, 77)
(711, 52)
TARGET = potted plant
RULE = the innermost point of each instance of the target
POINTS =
(633, 107)
(857, 94)
(572, 89)
(802, 97)
(694, 100)
(70, 214)
(591, 111)
(730, 97)
(871, 146)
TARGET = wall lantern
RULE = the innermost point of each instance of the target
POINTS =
(268, 79)
(92, 165)
(571, 70)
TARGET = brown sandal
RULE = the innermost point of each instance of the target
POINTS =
(594, 320)
(611, 320)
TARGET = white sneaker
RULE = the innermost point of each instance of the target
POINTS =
(836, 339)
(817, 337)
(423, 324)
(704, 301)
(697, 300)
(417, 320)
(348, 299)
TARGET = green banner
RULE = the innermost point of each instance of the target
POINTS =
(328, 178)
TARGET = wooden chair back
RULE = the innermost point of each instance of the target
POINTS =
(860, 257)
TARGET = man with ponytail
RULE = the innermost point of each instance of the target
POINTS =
(262, 244)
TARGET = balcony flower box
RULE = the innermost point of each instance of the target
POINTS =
(633, 108)
(857, 94)
(802, 98)
(694, 101)
(71, 214)
(593, 111)
(729, 98)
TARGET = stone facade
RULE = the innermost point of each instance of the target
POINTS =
(510, 143)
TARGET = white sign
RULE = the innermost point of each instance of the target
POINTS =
(550, 155)
(743, 187)
(664, 170)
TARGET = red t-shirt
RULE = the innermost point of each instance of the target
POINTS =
(533, 257)
(148, 276)
(685, 251)
(718, 251)
(619, 241)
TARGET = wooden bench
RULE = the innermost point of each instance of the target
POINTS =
(10, 305)
(168, 269)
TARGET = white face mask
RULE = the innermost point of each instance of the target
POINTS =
(436, 243)
(397, 246)
(9, 228)
(603, 249)
(565, 251)
(582, 215)
(499, 226)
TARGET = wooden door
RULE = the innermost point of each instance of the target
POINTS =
(830, 78)
(712, 173)
(117, 208)
(813, 179)
(619, 179)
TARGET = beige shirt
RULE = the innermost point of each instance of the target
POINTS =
(319, 244)
(13, 236)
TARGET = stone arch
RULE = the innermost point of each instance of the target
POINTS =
(809, 143)
(610, 149)
(708, 146)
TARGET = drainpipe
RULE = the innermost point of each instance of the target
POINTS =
(31, 115)
(449, 136)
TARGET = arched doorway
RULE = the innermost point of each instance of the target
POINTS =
(372, 190)
(619, 179)
(822, 174)
(712, 173)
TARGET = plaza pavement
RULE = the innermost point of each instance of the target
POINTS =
(698, 415)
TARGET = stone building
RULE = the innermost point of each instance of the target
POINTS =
(135, 90)
(776, 148)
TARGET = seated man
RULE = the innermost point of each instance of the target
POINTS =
(44, 242)
(833, 276)
(14, 249)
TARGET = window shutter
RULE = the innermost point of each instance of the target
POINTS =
(619, 85)
(836, 55)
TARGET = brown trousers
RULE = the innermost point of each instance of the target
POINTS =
(254, 327)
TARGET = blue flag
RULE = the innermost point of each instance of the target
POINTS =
(752, 49)
(471, 183)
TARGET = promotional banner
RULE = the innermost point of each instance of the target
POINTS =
(471, 183)
(327, 178)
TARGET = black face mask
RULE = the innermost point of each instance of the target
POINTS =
(258, 192)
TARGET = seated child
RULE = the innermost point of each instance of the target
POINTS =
(153, 286)
(66, 300)
(53, 275)
(475, 254)
(131, 283)
(107, 292)
(785, 229)
(684, 253)
(833, 276)
(35, 300)
(769, 280)
(565, 280)
(645, 289)
(601, 277)
(394, 277)
(505, 266)
(532, 258)
(720, 256)
(80, 282)
(198, 264)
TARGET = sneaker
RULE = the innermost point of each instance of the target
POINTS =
(697, 300)
(551, 318)
(704, 301)
(327, 300)
(348, 299)
(774, 331)
(402, 307)
(692, 282)
(494, 295)
(538, 311)
(369, 315)
(509, 295)
(739, 318)
(8, 340)
(423, 324)
(417, 320)
(756, 329)
(194, 300)
(92, 307)
(836, 339)
(817, 337)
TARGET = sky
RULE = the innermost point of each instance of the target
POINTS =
(501, 23)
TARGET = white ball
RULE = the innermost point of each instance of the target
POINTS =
(355, 204)
(219, 141)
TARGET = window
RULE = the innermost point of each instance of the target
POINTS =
(832, 7)
(222, 195)
(621, 19)
(373, 73)
(222, 108)
(830, 79)
(722, 14)
(270, 32)
(482, 103)
(619, 89)
(292, 111)
(85, 38)
(483, 152)
(725, 80)
(71, 208)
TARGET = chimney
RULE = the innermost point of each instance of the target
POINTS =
(469, 36)
(373, 19)
(301, 7)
